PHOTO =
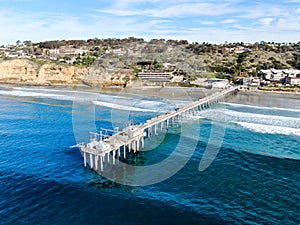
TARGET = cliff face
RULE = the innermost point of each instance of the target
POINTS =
(18, 71)
(27, 72)
(101, 77)
(57, 74)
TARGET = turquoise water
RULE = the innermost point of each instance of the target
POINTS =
(254, 179)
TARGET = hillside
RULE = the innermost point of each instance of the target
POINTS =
(114, 61)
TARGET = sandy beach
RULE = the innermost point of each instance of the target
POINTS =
(171, 93)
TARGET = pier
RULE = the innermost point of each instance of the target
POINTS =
(105, 149)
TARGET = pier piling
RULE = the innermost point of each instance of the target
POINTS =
(132, 137)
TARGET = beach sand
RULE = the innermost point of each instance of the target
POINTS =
(268, 99)
(171, 93)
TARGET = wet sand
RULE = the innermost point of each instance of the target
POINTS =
(171, 93)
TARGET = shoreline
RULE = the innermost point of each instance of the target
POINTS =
(168, 92)
(282, 94)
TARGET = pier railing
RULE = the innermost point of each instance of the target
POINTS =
(104, 149)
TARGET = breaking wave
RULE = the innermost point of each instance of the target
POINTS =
(263, 107)
(106, 100)
(30, 94)
(122, 107)
(269, 129)
(260, 121)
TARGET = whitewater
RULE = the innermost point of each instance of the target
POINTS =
(254, 178)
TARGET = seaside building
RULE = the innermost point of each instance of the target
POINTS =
(160, 76)
(293, 81)
(273, 75)
(154, 72)
(249, 83)
(218, 83)
(212, 83)
(284, 76)
(54, 51)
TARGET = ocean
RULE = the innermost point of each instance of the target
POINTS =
(252, 144)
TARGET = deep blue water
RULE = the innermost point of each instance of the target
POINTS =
(254, 179)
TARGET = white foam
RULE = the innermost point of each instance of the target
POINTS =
(269, 129)
(257, 115)
(121, 107)
(116, 102)
(29, 94)
(263, 107)
(256, 118)
(193, 118)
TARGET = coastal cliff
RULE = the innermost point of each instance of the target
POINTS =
(25, 71)
(29, 72)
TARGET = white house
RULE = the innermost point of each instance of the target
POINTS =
(293, 81)
(218, 83)
(273, 75)
(291, 72)
(54, 51)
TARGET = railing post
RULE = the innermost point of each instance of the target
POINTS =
(114, 159)
(84, 158)
(91, 161)
(96, 162)
(143, 142)
(101, 163)
(124, 148)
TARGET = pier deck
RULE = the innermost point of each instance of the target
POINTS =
(132, 137)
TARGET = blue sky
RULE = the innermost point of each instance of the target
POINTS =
(193, 20)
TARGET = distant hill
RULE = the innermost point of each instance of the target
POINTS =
(108, 56)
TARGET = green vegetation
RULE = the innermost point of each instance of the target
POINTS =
(85, 60)
(282, 88)
(39, 62)
(226, 60)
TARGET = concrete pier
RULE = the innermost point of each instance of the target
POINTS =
(132, 137)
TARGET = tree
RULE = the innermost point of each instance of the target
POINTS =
(18, 42)
(27, 43)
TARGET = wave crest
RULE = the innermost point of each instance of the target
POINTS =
(269, 129)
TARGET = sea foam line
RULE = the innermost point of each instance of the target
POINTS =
(269, 129)
(110, 101)
(262, 107)
(260, 116)
(29, 94)
(121, 107)
(232, 115)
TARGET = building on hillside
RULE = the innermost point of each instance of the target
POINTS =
(156, 76)
(250, 83)
(291, 72)
(273, 75)
(160, 76)
(3, 49)
(293, 81)
(218, 83)
(119, 51)
(238, 49)
(72, 51)
(169, 66)
(54, 51)
(211, 83)
(283, 76)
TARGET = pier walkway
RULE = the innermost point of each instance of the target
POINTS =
(103, 150)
